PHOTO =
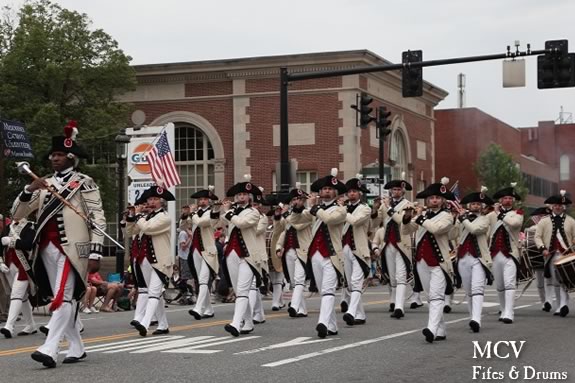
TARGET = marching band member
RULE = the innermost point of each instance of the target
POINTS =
(555, 235)
(325, 248)
(396, 249)
(64, 241)
(241, 252)
(274, 261)
(203, 257)
(255, 295)
(473, 259)
(155, 260)
(356, 254)
(293, 246)
(18, 246)
(432, 253)
(536, 217)
(505, 226)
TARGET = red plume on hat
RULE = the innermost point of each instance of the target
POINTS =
(71, 129)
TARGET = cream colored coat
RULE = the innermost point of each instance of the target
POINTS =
(512, 223)
(262, 255)
(159, 229)
(439, 226)
(544, 230)
(207, 225)
(398, 212)
(359, 222)
(247, 221)
(334, 218)
(277, 231)
(302, 223)
(480, 228)
(81, 240)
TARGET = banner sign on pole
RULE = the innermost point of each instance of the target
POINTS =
(16, 142)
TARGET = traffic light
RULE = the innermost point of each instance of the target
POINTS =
(412, 78)
(556, 68)
(383, 122)
(364, 109)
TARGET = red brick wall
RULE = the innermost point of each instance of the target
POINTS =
(273, 84)
(321, 109)
(215, 88)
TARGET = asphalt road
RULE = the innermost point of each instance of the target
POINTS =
(288, 350)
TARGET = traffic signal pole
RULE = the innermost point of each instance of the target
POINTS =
(286, 78)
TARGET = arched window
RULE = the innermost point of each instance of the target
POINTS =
(564, 171)
(194, 160)
(398, 154)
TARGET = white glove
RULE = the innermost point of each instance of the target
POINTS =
(3, 267)
(5, 241)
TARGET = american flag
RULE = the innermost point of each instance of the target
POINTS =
(455, 190)
(162, 163)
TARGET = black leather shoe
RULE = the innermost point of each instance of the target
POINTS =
(507, 320)
(292, 313)
(359, 321)
(7, 333)
(474, 326)
(74, 359)
(329, 333)
(24, 333)
(343, 305)
(428, 335)
(447, 309)
(207, 316)
(321, 330)
(301, 315)
(415, 305)
(398, 314)
(141, 329)
(546, 307)
(132, 323)
(196, 315)
(244, 332)
(259, 321)
(44, 330)
(232, 330)
(440, 338)
(564, 311)
(275, 308)
(161, 332)
(154, 323)
(391, 307)
(348, 319)
(46, 360)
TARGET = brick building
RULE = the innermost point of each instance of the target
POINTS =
(545, 154)
(226, 114)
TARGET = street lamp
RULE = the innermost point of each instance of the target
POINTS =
(121, 141)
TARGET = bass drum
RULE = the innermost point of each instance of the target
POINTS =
(535, 256)
(565, 267)
(525, 271)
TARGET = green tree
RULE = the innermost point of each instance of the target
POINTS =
(54, 67)
(496, 169)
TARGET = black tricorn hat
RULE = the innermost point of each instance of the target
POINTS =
(507, 192)
(244, 187)
(296, 192)
(205, 193)
(329, 181)
(160, 192)
(356, 184)
(437, 189)
(477, 197)
(560, 199)
(398, 184)
(271, 200)
(67, 142)
(142, 199)
(541, 211)
(259, 197)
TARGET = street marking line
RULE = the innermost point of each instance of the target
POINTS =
(200, 348)
(134, 349)
(126, 343)
(299, 341)
(134, 334)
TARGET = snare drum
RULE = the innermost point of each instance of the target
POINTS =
(535, 256)
(525, 271)
(565, 267)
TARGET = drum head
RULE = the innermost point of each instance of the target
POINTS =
(565, 259)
